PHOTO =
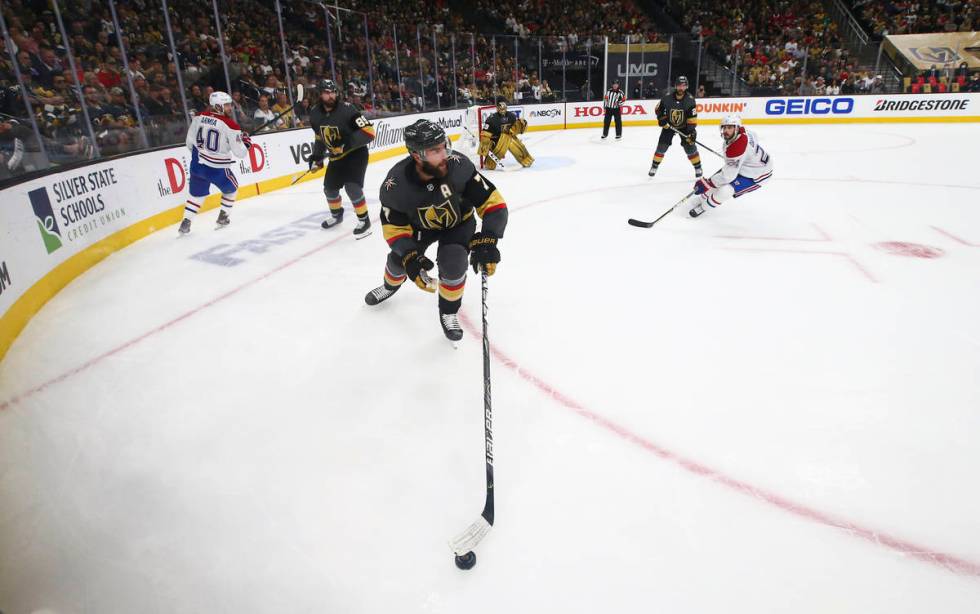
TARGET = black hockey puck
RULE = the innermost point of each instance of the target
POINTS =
(467, 561)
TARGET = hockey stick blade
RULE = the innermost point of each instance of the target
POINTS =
(642, 224)
(468, 539)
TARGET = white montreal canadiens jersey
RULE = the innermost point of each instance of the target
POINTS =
(744, 156)
(215, 138)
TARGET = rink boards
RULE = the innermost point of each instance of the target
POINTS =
(58, 226)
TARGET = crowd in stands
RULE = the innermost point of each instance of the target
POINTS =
(425, 54)
(916, 17)
(769, 43)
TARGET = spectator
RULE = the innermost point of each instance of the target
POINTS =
(264, 113)
(155, 104)
(282, 105)
(973, 85)
(197, 102)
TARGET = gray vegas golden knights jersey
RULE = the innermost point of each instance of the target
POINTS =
(411, 205)
(344, 129)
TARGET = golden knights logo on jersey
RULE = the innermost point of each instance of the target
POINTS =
(442, 216)
(438, 217)
(331, 135)
(677, 117)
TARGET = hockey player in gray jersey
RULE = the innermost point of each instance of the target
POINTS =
(435, 196)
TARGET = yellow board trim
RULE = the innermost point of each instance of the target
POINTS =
(29, 303)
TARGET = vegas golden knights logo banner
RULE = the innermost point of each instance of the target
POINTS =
(438, 217)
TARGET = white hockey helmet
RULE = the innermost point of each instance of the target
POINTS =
(730, 120)
(218, 100)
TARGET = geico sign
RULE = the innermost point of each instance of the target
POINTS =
(628, 109)
(809, 106)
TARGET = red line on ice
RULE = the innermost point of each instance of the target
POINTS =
(93, 361)
(954, 237)
(864, 271)
(824, 237)
(941, 559)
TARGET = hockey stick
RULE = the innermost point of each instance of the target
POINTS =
(684, 136)
(642, 224)
(305, 173)
(465, 542)
(299, 99)
(490, 154)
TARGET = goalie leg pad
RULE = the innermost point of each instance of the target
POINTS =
(484, 143)
(520, 153)
(503, 144)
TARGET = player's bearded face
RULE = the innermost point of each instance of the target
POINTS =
(728, 132)
(329, 99)
(435, 161)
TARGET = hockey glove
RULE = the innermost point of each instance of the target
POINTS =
(316, 161)
(691, 136)
(336, 151)
(662, 122)
(702, 185)
(247, 141)
(484, 253)
(416, 266)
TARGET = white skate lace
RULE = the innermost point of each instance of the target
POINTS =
(450, 321)
(380, 292)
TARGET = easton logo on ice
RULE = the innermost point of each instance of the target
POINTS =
(46, 223)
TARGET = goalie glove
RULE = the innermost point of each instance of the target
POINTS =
(518, 127)
(417, 267)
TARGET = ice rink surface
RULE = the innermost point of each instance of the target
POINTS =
(773, 408)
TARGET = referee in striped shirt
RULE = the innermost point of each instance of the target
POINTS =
(612, 102)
